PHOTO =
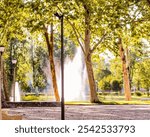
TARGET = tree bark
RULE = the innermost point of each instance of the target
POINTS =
(93, 95)
(3, 97)
(50, 46)
(125, 71)
(128, 66)
(5, 83)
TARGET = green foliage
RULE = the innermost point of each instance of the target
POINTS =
(116, 69)
(104, 84)
(12, 15)
(21, 25)
(39, 63)
(138, 93)
(116, 85)
(24, 68)
(20, 51)
(141, 74)
(100, 67)
(69, 47)
(132, 93)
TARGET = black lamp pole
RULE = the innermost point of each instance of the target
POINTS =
(62, 67)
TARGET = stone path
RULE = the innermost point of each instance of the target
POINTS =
(85, 112)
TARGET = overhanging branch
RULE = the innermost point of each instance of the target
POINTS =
(99, 42)
(77, 34)
(74, 29)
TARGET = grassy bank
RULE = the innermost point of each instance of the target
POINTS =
(120, 99)
(110, 99)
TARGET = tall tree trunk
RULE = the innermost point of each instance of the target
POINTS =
(5, 84)
(125, 70)
(93, 95)
(3, 101)
(88, 61)
(128, 66)
(50, 45)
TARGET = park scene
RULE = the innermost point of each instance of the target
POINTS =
(74, 60)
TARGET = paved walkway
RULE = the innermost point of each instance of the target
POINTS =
(86, 112)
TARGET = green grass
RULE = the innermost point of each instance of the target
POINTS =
(78, 103)
(106, 100)
(126, 102)
(36, 98)
(120, 100)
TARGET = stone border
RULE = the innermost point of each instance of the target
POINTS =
(31, 104)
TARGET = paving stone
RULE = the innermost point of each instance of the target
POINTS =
(83, 112)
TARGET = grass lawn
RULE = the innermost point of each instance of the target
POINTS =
(36, 98)
(105, 99)
(120, 100)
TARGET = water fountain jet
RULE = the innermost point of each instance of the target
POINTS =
(17, 92)
(75, 78)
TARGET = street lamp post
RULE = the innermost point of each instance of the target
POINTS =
(1, 52)
(62, 67)
(14, 61)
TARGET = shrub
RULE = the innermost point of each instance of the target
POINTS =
(116, 85)
(99, 93)
(105, 93)
(104, 85)
(138, 93)
(132, 93)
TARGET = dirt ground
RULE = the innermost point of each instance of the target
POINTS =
(85, 112)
